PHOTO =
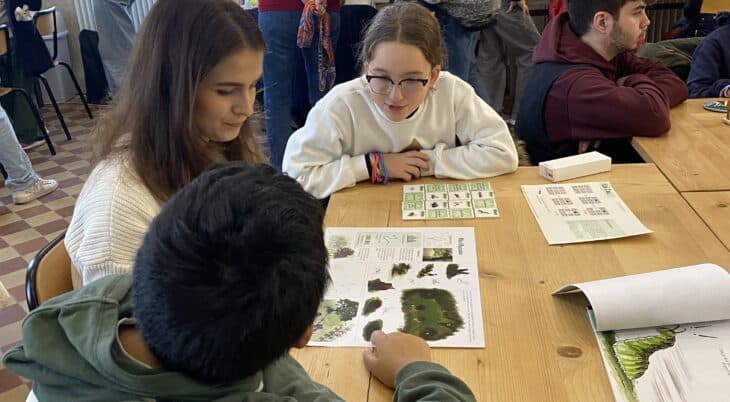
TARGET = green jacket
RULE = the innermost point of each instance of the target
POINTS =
(71, 353)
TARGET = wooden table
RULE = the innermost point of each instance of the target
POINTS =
(714, 6)
(695, 153)
(714, 208)
(538, 347)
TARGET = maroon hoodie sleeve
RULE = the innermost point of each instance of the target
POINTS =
(598, 108)
(673, 87)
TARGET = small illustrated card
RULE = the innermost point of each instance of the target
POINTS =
(422, 281)
(581, 212)
(449, 201)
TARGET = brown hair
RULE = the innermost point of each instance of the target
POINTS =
(408, 23)
(179, 43)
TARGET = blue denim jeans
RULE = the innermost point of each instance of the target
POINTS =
(461, 45)
(279, 29)
(116, 36)
(13, 158)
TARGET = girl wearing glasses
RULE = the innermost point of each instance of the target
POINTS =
(402, 119)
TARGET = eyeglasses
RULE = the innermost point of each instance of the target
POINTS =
(383, 85)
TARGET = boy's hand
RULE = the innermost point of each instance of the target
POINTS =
(391, 352)
(406, 166)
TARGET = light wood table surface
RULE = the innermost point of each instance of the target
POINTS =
(714, 208)
(714, 6)
(538, 347)
(695, 153)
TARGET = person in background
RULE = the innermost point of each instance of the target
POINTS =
(556, 7)
(171, 122)
(22, 180)
(402, 119)
(279, 21)
(694, 22)
(460, 22)
(228, 278)
(589, 91)
(513, 30)
(116, 36)
(709, 76)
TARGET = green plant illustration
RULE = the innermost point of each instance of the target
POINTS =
(371, 305)
(334, 319)
(438, 254)
(633, 354)
(399, 269)
(453, 269)
(426, 271)
(431, 314)
(629, 358)
(371, 327)
(338, 247)
(376, 285)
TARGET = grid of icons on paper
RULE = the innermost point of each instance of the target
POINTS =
(449, 201)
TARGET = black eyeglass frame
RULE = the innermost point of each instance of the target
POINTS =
(423, 81)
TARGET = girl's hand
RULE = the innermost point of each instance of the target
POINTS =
(405, 166)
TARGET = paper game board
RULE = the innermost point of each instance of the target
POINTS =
(449, 201)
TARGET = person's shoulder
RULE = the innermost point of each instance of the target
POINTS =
(354, 87)
(110, 288)
(448, 83)
(116, 176)
(345, 99)
(716, 39)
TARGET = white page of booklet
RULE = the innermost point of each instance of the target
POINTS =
(695, 293)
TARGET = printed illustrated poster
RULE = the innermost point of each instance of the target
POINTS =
(422, 281)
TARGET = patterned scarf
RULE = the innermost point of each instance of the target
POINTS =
(326, 55)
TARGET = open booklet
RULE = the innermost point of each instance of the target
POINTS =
(665, 335)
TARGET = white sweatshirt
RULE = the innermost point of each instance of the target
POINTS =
(111, 216)
(327, 153)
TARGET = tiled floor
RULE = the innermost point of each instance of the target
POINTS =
(24, 229)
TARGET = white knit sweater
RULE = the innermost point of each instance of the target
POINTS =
(111, 216)
(327, 153)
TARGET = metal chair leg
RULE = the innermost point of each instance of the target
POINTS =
(38, 119)
(55, 105)
(78, 88)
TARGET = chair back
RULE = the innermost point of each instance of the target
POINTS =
(49, 273)
(4, 40)
(45, 24)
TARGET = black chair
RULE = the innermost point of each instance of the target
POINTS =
(45, 23)
(4, 48)
(49, 273)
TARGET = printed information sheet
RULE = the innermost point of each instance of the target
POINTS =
(422, 281)
(581, 212)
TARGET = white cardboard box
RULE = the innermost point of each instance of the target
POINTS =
(574, 166)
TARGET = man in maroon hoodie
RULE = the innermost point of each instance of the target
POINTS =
(588, 89)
